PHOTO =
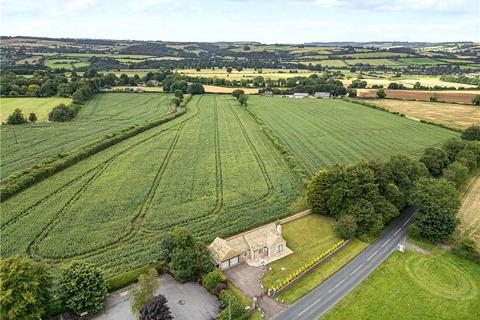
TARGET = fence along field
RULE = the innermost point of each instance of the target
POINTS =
(23, 146)
(321, 133)
(212, 171)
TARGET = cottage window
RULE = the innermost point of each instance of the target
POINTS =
(280, 248)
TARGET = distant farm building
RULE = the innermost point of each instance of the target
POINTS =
(255, 247)
(322, 95)
(267, 94)
(300, 95)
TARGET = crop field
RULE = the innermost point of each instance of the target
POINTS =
(450, 114)
(65, 63)
(412, 285)
(244, 74)
(212, 171)
(420, 61)
(219, 89)
(323, 132)
(373, 62)
(380, 54)
(327, 63)
(41, 106)
(465, 97)
(469, 213)
(24, 145)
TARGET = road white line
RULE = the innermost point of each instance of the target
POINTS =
(336, 286)
(396, 232)
(372, 255)
(386, 242)
(310, 306)
(356, 269)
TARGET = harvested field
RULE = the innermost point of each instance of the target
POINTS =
(469, 213)
(446, 96)
(219, 89)
(449, 114)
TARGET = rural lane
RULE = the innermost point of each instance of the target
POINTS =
(318, 301)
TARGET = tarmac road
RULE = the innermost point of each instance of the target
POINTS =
(318, 301)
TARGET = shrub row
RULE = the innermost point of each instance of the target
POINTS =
(23, 179)
(370, 105)
(291, 161)
(306, 266)
(124, 279)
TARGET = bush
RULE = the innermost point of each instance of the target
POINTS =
(346, 227)
(32, 117)
(195, 88)
(381, 94)
(456, 172)
(242, 99)
(476, 100)
(232, 311)
(211, 280)
(237, 93)
(145, 290)
(124, 279)
(156, 309)
(62, 113)
(220, 287)
(83, 287)
(472, 133)
(24, 288)
(16, 117)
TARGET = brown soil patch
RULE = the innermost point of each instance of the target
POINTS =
(218, 89)
(453, 96)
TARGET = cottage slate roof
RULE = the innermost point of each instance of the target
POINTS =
(221, 250)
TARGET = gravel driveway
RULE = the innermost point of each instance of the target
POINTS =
(186, 301)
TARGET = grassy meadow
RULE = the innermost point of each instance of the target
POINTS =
(24, 145)
(413, 285)
(212, 171)
(41, 106)
(322, 132)
(469, 213)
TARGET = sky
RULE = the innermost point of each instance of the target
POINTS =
(266, 21)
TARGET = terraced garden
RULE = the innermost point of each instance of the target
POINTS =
(320, 133)
(212, 171)
(23, 146)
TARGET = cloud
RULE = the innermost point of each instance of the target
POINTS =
(80, 4)
(403, 5)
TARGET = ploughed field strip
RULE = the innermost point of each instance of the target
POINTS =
(321, 133)
(23, 146)
(212, 171)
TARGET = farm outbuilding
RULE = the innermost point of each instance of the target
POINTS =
(256, 247)
(300, 95)
(322, 95)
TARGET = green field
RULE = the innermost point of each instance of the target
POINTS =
(379, 54)
(65, 63)
(23, 146)
(320, 133)
(373, 62)
(212, 171)
(41, 106)
(410, 285)
(420, 61)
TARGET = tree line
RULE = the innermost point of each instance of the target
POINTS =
(365, 196)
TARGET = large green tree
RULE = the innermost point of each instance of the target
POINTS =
(187, 257)
(24, 288)
(438, 202)
(16, 117)
(83, 287)
(435, 160)
(471, 133)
